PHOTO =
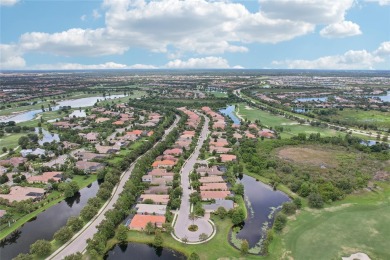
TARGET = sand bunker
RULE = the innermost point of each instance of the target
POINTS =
(357, 256)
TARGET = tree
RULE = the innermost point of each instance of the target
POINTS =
(122, 233)
(192, 216)
(7, 218)
(158, 239)
(221, 212)
(23, 141)
(88, 212)
(75, 223)
(40, 248)
(4, 149)
(75, 256)
(149, 228)
(184, 240)
(63, 234)
(193, 256)
(315, 200)
(23, 257)
(203, 237)
(280, 222)
(298, 202)
(289, 208)
(244, 247)
(238, 216)
(239, 189)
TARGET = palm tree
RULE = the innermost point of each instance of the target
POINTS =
(7, 218)
(192, 216)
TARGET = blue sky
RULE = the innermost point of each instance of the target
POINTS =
(304, 34)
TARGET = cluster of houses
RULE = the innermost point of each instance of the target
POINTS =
(153, 202)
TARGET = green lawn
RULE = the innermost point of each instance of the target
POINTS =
(378, 118)
(360, 223)
(218, 94)
(290, 127)
(10, 140)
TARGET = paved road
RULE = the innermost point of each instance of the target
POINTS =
(182, 221)
(79, 242)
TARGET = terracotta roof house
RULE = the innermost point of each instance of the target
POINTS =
(219, 150)
(237, 136)
(102, 119)
(157, 199)
(69, 145)
(91, 137)
(150, 133)
(214, 186)
(160, 173)
(139, 222)
(157, 190)
(161, 181)
(219, 125)
(216, 195)
(106, 149)
(118, 123)
(250, 135)
(14, 161)
(211, 179)
(19, 193)
(221, 142)
(267, 133)
(45, 177)
(163, 164)
(187, 132)
(89, 167)
(228, 158)
(174, 151)
(150, 209)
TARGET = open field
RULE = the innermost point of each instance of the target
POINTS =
(312, 156)
(360, 223)
(219, 94)
(372, 117)
(10, 140)
(290, 127)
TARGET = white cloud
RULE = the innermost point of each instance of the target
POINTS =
(142, 67)
(8, 2)
(351, 59)
(96, 14)
(380, 2)
(77, 66)
(341, 30)
(383, 49)
(11, 57)
(199, 63)
(311, 11)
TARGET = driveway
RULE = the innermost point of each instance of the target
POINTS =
(79, 241)
(183, 221)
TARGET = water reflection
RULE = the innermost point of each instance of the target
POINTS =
(142, 251)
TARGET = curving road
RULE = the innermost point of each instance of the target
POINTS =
(182, 221)
(79, 242)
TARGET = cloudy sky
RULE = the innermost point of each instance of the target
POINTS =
(153, 34)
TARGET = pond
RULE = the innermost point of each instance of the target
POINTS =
(45, 224)
(78, 113)
(142, 251)
(262, 202)
(76, 103)
(47, 136)
(229, 111)
(309, 99)
(384, 98)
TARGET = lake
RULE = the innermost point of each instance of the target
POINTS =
(229, 111)
(47, 136)
(384, 98)
(142, 251)
(75, 103)
(45, 224)
(261, 200)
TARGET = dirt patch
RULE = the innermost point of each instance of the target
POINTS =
(248, 107)
(335, 208)
(311, 156)
(382, 176)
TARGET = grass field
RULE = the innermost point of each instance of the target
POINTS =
(219, 94)
(360, 223)
(290, 127)
(10, 140)
(378, 118)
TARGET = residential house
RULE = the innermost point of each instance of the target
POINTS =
(157, 199)
(139, 222)
(150, 209)
(45, 177)
(89, 167)
(214, 195)
(228, 158)
(19, 193)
